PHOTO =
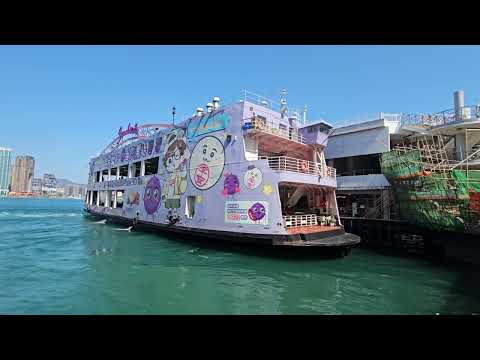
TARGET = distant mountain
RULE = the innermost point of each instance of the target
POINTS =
(64, 182)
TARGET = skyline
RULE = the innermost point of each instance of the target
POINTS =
(63, 104)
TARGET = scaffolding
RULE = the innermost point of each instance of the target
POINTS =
(430, 189)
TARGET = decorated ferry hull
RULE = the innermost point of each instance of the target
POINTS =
(243, 172)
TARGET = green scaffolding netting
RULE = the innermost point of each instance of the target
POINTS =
(441, 200)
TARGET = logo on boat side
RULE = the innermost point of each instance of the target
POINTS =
(130, 130)
(246, 212)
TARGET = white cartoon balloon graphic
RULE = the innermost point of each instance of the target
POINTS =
(253, 178)
(207, 162)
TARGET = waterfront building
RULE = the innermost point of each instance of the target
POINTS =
(49, 185)
(355, 150)
(75, 191)
(411, 166)
(5, 170)
(37, 186)
(22, 174)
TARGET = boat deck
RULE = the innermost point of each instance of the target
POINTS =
(311, 229)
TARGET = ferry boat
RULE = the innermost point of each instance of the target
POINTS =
(251, 171)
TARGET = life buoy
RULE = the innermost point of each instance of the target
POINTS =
(328, 172)
(304, 166)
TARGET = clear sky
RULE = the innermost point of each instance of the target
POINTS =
(63, 104)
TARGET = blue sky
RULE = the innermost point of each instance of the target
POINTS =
(62, 104)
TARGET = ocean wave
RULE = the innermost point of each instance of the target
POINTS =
(4, 214)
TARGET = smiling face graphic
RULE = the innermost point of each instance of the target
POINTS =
(256, 212)
(253, 178)
(151, 198)
(207, 162)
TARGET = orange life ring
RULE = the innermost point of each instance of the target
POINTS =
(305, 166)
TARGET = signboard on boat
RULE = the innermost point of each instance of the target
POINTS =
(207, 124)
(246, 212)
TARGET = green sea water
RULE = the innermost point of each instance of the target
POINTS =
(56, 260)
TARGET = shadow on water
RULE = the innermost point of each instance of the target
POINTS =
(465, 286)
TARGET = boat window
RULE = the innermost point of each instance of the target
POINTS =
(123, 172)
(111, 198)
(151, 166)
(190, 207)
(113, 173)
(105, 175)
(103, 198)
(120, 198)
(97, 176)
(94, 197)
(136, 167)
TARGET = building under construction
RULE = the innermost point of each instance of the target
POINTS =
(435, 171)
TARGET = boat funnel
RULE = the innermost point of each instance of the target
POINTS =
(209, 107)
(199, 111)
(216, 102)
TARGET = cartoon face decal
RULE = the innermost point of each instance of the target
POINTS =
(253, 178)
(256, 212)
(151, 197)
(176, 151)
(207, 162)
(231, 184)
(133, 198)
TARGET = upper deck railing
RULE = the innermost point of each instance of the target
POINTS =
(272, 128)
(289, 164)
(270, 104)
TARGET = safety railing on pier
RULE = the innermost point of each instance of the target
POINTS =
(300, 220)
(466, 113)
(285, 163)
(270, 127)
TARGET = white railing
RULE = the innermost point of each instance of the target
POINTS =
(269, 103)
(285, 163)
(300, 220)
(466, 113)
(272, 128)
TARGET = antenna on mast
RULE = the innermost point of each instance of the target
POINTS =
(283, 103)
(173, 115)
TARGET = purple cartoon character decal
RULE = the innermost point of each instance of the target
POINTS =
(256, 212)
(151, 198)
(231, 185)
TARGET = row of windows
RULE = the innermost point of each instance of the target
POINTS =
(106, 198)
(136, 169)
(114, 199)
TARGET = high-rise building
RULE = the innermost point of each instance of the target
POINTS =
(37, 186)
(49, 186)
(22, 174)
(5, 169)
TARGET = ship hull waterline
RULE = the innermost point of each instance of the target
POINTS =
(334, 241)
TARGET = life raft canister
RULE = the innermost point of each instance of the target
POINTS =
(304, 166)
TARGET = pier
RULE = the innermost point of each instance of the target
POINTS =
(401, 237)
